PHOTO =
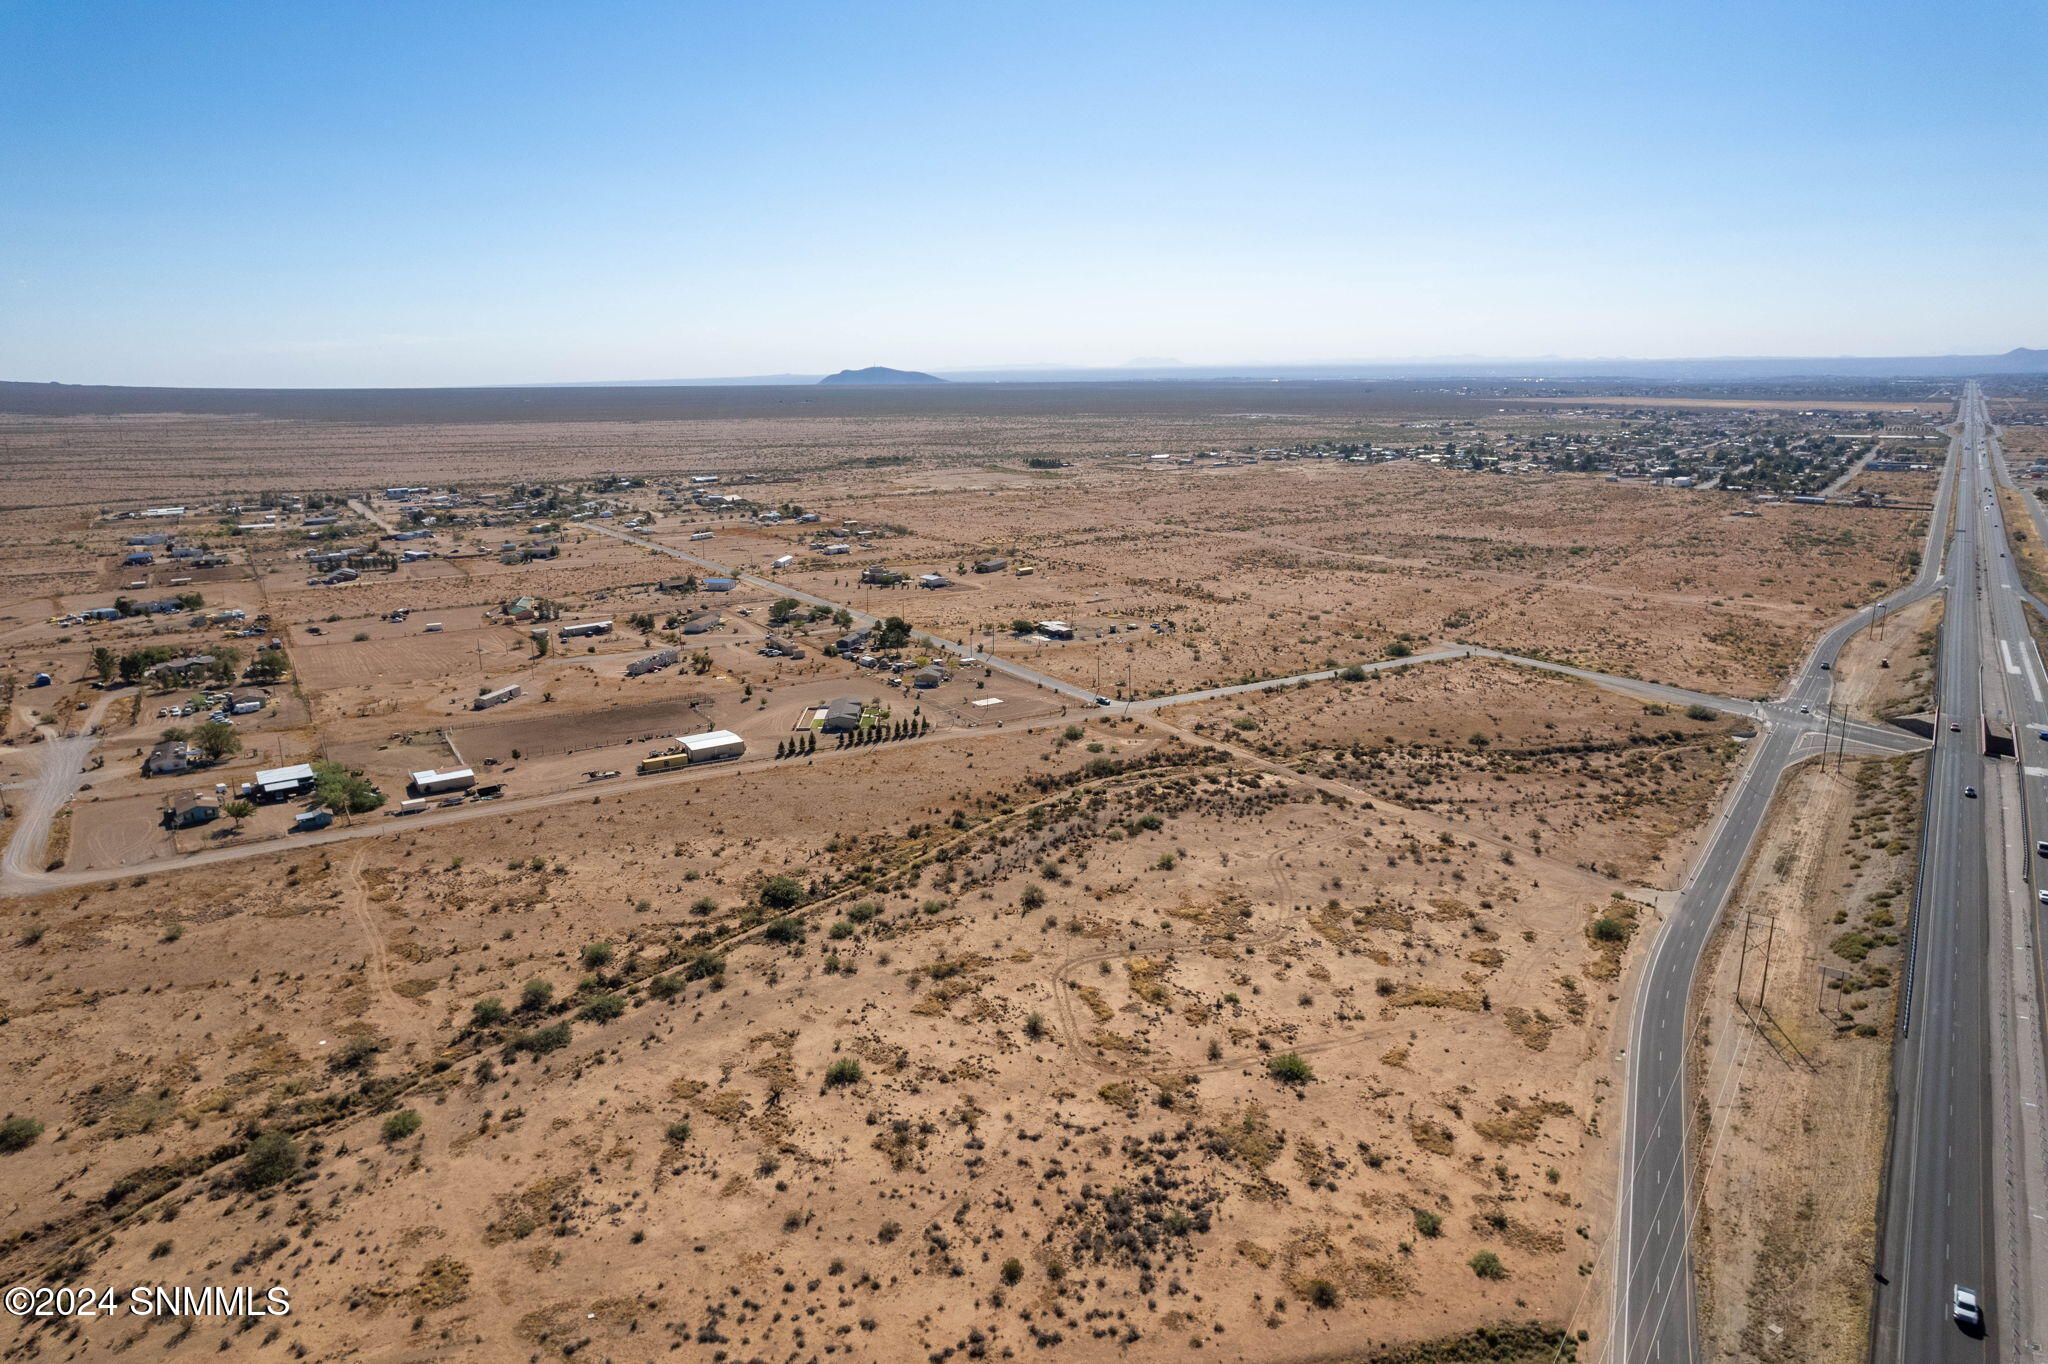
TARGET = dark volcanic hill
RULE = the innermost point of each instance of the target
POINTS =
(880, 374)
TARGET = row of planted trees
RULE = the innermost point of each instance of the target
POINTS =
(884, 733)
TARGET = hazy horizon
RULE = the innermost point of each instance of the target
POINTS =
(323, 196)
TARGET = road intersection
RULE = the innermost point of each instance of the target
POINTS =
(1967, 1183)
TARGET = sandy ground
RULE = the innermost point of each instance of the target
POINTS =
(1053, 1002)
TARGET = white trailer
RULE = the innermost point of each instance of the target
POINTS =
(433, 783)
(495, 698)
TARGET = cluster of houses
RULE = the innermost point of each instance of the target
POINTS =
(267, 787)
(143, 551)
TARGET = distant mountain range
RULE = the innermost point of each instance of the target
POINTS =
(1032, 386)
(879, 374)
(1708, 369)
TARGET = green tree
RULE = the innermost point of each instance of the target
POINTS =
(782, 892)
(105, 664)
(269, 666)
(217, 740)
(344, 789)
(238, 810)
(893, 633)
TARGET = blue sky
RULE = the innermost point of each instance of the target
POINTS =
(302, 193)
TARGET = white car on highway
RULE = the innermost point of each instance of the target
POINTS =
(1965, 1308)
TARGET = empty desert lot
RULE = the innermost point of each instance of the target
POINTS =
(1279, 568)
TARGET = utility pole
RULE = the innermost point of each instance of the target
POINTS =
(1764, 988)
(1742, 961)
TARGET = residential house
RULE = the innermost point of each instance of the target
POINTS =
(169, 758)
(841, 716)
(192, 808)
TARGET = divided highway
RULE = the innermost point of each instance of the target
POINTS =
(1654, 1307)
(1965, 1188)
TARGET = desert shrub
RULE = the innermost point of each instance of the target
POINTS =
(596, 955)
(543, 1040)
(401, 1125)
(665, 987)
(356, 1053)
(1610, 930)
(1320, 1293)
(864, 911)
(19, 1133)
(704, 966)
(842, 929)
(1487, 1265)
(782, 892)
(1034, 1026)
(677, 1133)
(1013, 1270)
(602, 1008)
(1033, 897)
(487, 1013)
(1290, 1068)
(271, 1159)
(844, 1071)
(784, 929)
(535, 995)
(1428, 1223)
